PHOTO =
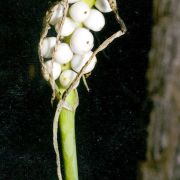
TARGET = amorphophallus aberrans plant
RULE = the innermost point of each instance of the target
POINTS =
(68, 57)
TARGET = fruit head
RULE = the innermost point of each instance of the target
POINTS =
(67, 77)
(57, 14)
(79, 61)
(81, 41)
(47, 47)
(79, 11)
(63, 53)
(67, 28)
(95, 20)
(51, 67)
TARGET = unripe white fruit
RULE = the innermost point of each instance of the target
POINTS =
(57, 14)
(67, 77)
(67, 28)
(79, 11)
(47, 47)
(72, 1)
(81, 41)
(63, 53)
(103, 6)
(95, 21)
(79, 61)
(51, 67)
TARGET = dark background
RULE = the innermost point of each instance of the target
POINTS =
(111, 120)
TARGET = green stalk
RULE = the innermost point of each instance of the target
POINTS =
(67, 131)
(90, 2)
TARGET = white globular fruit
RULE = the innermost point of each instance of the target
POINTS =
(47, 47)
(67, 77)
(79, 61)
(51, 68)
(103, 6)
(79, 11)
(67, 28)
(72, 1)
(57, 14)
(63, 53)
(81, 41)
(95, 21)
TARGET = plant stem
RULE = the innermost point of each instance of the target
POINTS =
(67, 131)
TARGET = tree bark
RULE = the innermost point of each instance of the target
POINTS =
(163, 144)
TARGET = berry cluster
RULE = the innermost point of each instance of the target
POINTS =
(77, 41)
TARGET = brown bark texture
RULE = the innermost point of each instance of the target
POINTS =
(163, 143)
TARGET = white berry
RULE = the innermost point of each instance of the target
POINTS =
(79, 11)
(79, 61)
(67, 28)
(51, 67)
(57, 14)
(72, 1)
(47, 47)
(103, 6)
(95, 21)
(81, 41)
(63, 53)
(67, 77)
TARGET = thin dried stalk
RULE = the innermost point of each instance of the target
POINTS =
(44, 33)
(61, 102)
(85, 83)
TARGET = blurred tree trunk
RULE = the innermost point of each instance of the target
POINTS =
(163, 144)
